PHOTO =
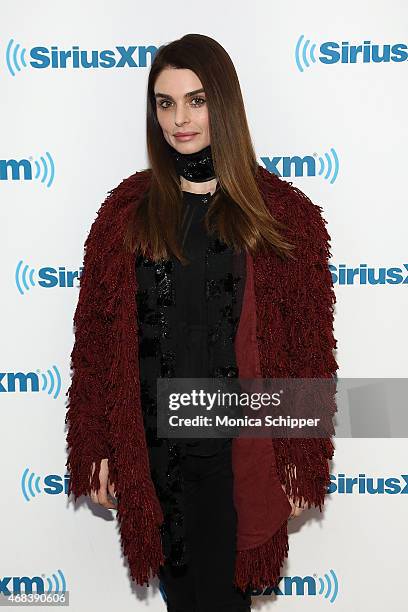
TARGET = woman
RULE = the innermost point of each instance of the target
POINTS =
(203, 265)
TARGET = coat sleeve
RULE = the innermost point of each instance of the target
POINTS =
(88, 431)
(303, 463)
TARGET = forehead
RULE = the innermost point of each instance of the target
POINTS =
(177, 82)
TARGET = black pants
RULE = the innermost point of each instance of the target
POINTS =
(206, 583)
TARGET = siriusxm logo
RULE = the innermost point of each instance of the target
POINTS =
(18, 57)
(325, 165)
(300, 586)
(332, 52)
(364, 275)
(33, 485)
(29, 169)
(31, 382)
(311, 586)
(367, 485)
(46, 277)
(25, 584)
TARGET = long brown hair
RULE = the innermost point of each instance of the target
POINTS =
(237, 212)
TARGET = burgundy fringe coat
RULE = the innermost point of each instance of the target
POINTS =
(285, 330)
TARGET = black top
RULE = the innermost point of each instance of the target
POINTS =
(188, 316)
(192, 359)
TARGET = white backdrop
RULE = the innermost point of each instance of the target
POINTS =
(74, 133)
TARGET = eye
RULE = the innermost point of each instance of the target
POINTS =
(200, 99)
(163, 102)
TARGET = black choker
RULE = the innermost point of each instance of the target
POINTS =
(197, 167)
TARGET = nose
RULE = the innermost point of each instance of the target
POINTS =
(181, 115)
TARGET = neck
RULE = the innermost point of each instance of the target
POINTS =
(207, 186)
(196, 170)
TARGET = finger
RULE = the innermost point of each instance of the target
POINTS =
(98, 498)
(92, 473)
(107, 503)
(94, 497)
(103, 478)
(111, 486)
(111, 489)
(103, 498)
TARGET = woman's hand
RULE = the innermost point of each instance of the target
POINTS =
(298, 508)
(101, 496)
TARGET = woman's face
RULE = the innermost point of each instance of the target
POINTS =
(182, 109)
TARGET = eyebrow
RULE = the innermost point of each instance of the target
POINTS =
(187, 95)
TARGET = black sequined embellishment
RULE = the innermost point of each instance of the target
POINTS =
(165, 293)
(155, 298)
(197, 167)
(224, 274)
(167, 362)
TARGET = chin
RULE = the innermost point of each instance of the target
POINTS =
(191, 146)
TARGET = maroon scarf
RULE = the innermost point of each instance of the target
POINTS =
(285, 331)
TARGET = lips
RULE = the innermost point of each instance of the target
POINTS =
(185, 133)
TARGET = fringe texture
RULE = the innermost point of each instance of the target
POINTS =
(260, 567)
(295, 337)
(296, 327)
